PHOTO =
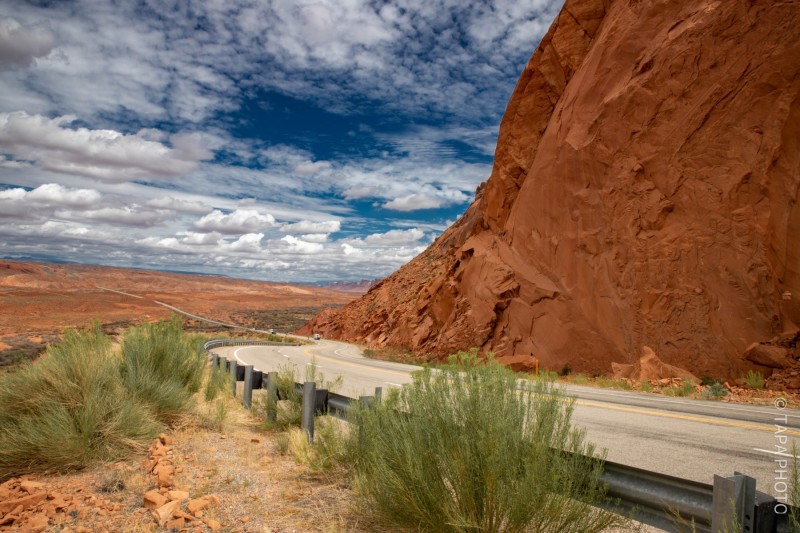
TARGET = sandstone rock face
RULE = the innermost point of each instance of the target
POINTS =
(644, 193)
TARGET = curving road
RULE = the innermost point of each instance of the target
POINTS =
(691, 439)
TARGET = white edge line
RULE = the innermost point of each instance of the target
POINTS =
(236, 355)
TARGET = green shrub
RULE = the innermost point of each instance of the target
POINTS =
(314, 374)
(547, 376)
(707, 381)
(566, 370)
(754, 380)
(611, 383)
(715, 391)
(287, 405)
(461, 449)
(217, 382)
(69, 409)
(162, 367)
(645, 386)
(580, 379)
(684, 388)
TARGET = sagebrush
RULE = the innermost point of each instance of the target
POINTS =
(462, 449)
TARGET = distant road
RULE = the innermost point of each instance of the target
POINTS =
(186, 313)
(120, 292)
(691, 439)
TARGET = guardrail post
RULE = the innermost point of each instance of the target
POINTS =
(378, 394)
(765, 519)
(233, 377)
(214, 361)
(309, 401)
(733, 503)
(272, 396)
(248, 386)
(258, 379)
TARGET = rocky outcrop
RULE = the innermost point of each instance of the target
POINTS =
(644, 193)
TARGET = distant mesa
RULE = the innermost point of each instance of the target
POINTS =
(644, 194)
(359, 287)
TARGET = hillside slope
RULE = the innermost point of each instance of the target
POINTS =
(644, 193)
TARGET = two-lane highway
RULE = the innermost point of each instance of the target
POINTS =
(692, 439)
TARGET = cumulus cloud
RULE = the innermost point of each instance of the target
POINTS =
(395, 237)
(299, 245)
(414, 202)
(44, 200)
(105, 155)
(250, 242)
(53, 194)
(307, 226)
(21, 45)
(239, 222)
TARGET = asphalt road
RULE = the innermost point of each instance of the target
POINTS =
(691, 439)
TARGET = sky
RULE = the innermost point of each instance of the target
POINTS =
(301, 141)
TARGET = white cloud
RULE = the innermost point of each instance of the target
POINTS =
(53, 194)
(238, 222)
(301, 246)
(175, 204)
(414, 202)
(308, 226)
(250, 242)
(130, 215)
(314, 237)
(200, 239)
(395, 237)
(105, 155)
(21, 45)
(312, 167)
(44, 200)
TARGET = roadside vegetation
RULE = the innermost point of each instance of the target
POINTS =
(462, 449)
(85, 401)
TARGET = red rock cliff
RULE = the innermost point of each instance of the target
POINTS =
(644, 193)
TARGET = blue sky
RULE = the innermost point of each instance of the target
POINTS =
(305, 141)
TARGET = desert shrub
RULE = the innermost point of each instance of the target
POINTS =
(715, 391)
(611, 383)
(684, 388)
(754, 380)
(580, 379)
(216, 383)
(547, 376)
(794, 491)
(282, 442)
(69, 409)
(162, 367)
(313, 373)
(461, 449)
(566, 370)
(287, 404)
(645, 386)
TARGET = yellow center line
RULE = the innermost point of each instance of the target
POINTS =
(690, 418)
(348, 363)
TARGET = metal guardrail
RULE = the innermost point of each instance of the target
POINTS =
(216, 343)
(666, 502)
